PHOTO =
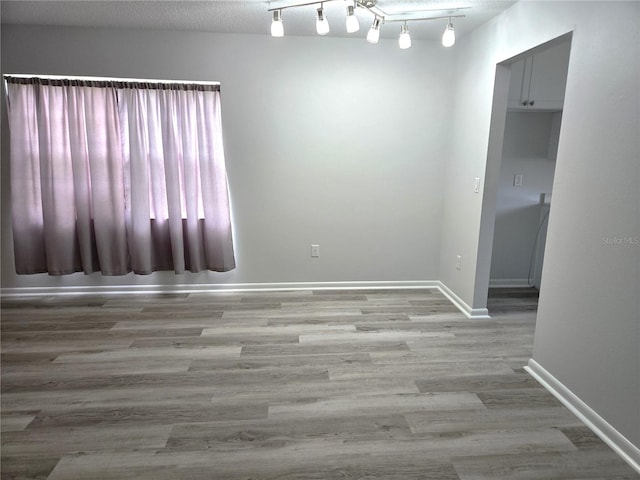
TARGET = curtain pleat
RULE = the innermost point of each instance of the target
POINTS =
(26, 204)
(57, 182)
(135, 125)
(174, 177)
(114, 178)
(215, 198)
(79, 150)
(104, 153)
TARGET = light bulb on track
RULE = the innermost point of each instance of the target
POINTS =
(449, 35)
(373, 36)
(322, 25)
(277, 28)
(352, 21)
(404, 40)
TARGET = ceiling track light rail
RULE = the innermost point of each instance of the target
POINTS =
(380, 17)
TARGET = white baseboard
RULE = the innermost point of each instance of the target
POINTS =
(473, 313)
(612, 437)
(477, 313)
(210, 288)
(509, 283)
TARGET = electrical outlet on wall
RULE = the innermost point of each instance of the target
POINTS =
(458, 262)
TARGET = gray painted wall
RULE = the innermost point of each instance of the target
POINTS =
(330, 141)
(588, 327)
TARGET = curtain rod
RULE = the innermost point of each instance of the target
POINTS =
(102, 82)
(109, 79)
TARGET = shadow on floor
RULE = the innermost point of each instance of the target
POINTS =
(512, 300)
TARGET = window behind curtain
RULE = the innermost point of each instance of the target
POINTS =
(117, 176)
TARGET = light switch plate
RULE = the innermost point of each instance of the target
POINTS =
(517, 180)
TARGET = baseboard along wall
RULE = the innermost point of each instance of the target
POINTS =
(477, 313)
(612, 437)
(509, 283)
(212, 288)
(464, 307)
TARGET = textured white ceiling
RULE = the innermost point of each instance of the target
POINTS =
(239, 16)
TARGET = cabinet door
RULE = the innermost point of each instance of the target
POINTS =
(519, 84)
(515, 84)
(549, 77)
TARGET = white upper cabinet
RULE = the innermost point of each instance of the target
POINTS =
(538, 81)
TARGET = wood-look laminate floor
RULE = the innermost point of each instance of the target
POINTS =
(282, 385)
(512, 300)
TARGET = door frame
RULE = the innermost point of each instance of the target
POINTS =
(493, 165)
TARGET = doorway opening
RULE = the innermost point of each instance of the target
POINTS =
(523, 166)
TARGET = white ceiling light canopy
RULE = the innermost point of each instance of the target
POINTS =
(380, 17)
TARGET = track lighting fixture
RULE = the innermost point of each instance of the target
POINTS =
(380, 17)
(277, 28)
(449, 35)
(322, 25)
(352, 21)
(404, 40)
(374, 32)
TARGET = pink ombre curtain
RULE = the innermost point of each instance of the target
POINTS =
(117, 177)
